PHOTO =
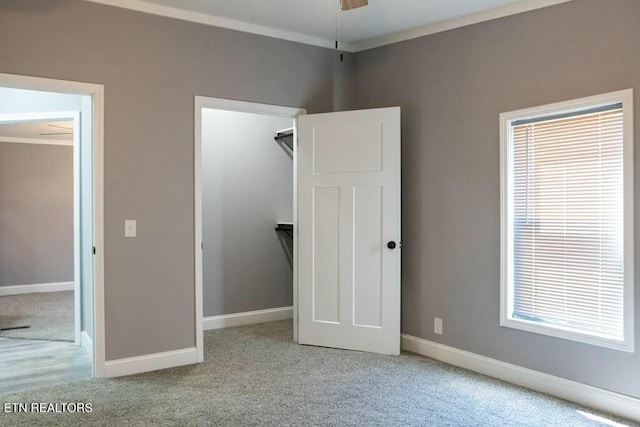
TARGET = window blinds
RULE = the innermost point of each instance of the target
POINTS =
(567, 195)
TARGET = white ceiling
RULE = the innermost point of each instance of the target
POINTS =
(45, 132)
(314, 21)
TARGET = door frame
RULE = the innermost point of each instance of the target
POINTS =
(62, 116)
(204, 102)
(96, 92)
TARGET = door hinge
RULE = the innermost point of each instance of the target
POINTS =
(94, 250)
(202, 245)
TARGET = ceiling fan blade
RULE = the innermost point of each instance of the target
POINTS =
(59, 127)
(352, 4)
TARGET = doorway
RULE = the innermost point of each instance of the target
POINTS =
(68, 115)
(39, 267)
(345, 228)
(243, 170)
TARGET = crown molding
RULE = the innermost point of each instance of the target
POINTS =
(463, 21)
(216, 21)
(43, 141)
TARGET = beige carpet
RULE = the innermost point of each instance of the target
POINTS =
(256, 376)
(49, 316)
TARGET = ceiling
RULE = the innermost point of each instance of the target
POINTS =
(314, 21)
(46, 132)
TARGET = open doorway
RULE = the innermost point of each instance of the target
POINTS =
(244, 168)
(40, 283)
(40, 295)
(51, 311)
(345, 221)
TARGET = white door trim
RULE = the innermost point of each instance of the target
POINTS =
(75, 117)
(96, 91)
(202, 102)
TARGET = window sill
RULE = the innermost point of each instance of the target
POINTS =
(568, 334)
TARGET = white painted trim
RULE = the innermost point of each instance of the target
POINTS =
(217, 21)
(99, 345)
(96, 91)
(197, 184)
(463, 21)
(21, 140)
(506, 220)
(594, 397)
(36, 288)
(86, 343)
(200, 103)
(150, 362)
(247, 318)
(77, 232)
(37, 117)
(248, 107)
(294, 253)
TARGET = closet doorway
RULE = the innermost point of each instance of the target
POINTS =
(342, 193)
(244, 213)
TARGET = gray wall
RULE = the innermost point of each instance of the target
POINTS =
(36, 214)
(451, 87)
(151, 68)
(247, 187)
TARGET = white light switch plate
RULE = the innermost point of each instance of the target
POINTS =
(129, 228)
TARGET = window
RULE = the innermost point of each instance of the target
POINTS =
(567, 220)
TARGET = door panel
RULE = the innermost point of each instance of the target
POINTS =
(367, 253)
(326, 260)
(362, 154)
(348, 201)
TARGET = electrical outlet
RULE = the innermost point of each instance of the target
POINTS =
(437, 325)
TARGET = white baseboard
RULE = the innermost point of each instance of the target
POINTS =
(35, 288)
(150, 362)
(86, 343)
(593, 397)
(247, 318)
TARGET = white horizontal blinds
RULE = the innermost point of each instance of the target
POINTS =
(568, 221)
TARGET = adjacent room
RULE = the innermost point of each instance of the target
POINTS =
(319, 212)
(45, 284)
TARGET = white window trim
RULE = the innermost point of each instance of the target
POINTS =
(506, 219)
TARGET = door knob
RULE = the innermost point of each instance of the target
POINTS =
(391, 245)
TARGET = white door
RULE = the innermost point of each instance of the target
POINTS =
(348, 219)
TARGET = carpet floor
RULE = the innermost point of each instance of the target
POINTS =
(49, 315)
(255, 375)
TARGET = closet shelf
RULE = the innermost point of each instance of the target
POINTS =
(285, 227)
(286, 136)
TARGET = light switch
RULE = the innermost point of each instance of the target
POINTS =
(129, 228)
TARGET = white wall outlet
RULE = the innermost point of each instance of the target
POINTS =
(437, 325)
(129, 228)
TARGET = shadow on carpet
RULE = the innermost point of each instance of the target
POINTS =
(49, 316)
(255, 375)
